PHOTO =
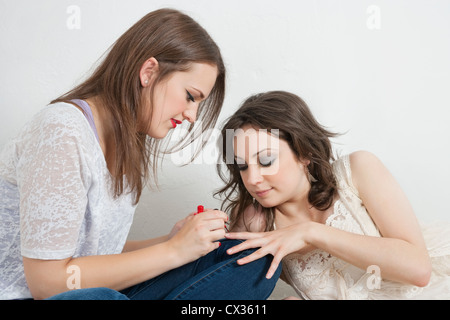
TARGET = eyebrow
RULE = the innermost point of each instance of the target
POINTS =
(271, 149)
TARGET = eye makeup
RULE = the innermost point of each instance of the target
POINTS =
(189, 96)
(267, 161)
(263, 161)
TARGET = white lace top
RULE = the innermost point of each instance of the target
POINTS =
(56, 198)
(319, 275)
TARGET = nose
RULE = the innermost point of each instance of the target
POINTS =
(190, 114)
(253, 175)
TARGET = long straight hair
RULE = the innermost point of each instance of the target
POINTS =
(291, 117)
(176, 41)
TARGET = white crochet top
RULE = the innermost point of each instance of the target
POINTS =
(56, 197)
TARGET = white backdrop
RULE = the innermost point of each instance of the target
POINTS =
(378, 70)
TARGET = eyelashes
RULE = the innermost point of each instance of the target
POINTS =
(263, 162)
(189, 96)
(242, 167)
(266, 161)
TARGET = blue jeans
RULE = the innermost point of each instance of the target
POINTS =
(215, 276)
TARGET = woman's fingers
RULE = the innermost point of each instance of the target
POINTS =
(252, 257)
(209, 225)
(266, 244)
(248, 244)
(273, 266)
(217, 234)
(258, 254)
(212, 214)
(245, 235)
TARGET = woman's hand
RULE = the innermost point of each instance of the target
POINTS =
(198, 234)
(178, 226)
(279, 243)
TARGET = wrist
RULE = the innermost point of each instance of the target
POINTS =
(309, 231)
(175, 253)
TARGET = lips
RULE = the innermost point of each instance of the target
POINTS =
(175, 122)
(262, 193)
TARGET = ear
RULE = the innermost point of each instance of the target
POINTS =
(148, 71)
(305, 162)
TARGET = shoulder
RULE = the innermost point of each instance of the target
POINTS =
(60, 113)
(59, 121)
(362, 157)
(366, 168)
(56, 129)
(353, 169)
(361, 161)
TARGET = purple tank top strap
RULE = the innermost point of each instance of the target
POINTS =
(88, 113)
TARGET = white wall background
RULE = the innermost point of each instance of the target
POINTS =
(377, 69)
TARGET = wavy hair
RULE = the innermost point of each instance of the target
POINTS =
(297, 126)
(176, 41)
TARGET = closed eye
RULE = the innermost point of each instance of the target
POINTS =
(189, 96)
(242, 167)
(266, 161)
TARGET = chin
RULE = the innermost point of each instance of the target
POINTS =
(157, 134)
(268, 203)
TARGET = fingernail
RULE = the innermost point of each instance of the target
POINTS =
(220, 244)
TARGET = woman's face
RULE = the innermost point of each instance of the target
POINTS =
(177, 98)
(269, 169)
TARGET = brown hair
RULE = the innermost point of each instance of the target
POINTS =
(175, 40)
(297, 126)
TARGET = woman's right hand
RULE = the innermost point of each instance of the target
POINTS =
(199, 234)
(278, 243)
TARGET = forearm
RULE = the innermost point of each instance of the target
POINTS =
(118, 271)
(195, 238)
(132, 245)
(397, 259)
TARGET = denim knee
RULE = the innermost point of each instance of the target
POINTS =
(90, 294)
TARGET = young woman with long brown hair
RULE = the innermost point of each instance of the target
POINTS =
(343, 228)
(72, 178)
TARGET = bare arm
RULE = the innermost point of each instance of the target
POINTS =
(118, 271)
(401, 253)
(132, 245)
(47, 278)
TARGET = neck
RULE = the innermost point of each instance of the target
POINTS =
(295, 210)
(299, 210)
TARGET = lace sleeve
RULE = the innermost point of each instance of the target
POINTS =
(53, 181)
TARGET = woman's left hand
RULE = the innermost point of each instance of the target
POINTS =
(279, 243)
(179, 225)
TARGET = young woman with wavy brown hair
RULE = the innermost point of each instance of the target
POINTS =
(72, 178)
(343, 228)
